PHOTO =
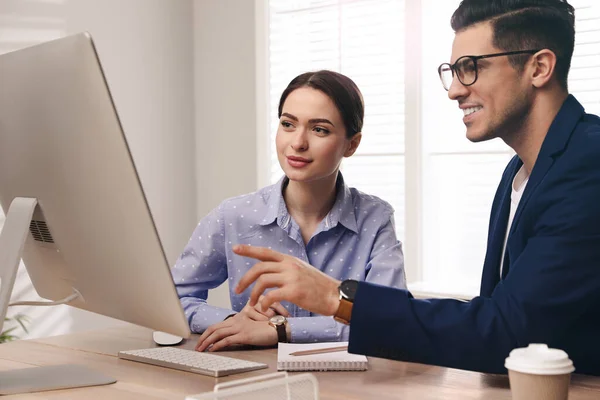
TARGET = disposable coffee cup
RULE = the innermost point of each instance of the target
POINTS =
(537, 372)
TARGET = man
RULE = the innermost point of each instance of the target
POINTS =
(541, 275)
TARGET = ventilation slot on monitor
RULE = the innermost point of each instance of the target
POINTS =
(39, 231)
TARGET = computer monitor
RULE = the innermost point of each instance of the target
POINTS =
(75, 209)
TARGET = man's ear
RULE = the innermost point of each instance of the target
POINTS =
(543, 67)
(354, 142)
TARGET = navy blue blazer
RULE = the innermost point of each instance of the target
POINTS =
(550, 289)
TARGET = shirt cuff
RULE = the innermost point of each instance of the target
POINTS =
(317, 329)
(204, 316)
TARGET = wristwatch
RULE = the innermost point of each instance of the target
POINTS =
(279, 322)
(347, 290)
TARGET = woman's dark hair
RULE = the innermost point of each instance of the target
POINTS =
(340, 89)
(525, 25)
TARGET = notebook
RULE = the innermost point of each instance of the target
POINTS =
(336, 361)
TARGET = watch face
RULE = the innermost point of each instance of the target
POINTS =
(277, 320)
(348, 289)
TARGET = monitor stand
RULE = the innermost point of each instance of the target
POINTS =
(36, 379)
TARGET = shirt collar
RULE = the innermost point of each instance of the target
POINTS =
(343, 208)
(276, 205)
(342, 211)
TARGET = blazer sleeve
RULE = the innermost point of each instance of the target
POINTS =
(551, 283)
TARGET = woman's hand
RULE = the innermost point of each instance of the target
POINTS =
(255, 313)
(235, 331)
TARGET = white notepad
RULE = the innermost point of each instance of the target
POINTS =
(335, 361)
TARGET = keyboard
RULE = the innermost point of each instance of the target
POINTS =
(191, 361)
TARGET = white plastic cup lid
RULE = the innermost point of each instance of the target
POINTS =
(538, 359)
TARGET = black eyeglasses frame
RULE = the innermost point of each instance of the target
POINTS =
(453, 67)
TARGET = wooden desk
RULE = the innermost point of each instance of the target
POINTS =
(384, 380)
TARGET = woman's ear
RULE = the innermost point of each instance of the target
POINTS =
(354, 142)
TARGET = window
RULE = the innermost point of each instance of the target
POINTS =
(459, 178)
(451, 182)
(584, 78)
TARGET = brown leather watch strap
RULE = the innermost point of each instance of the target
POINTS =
(279, 322)
(344, 312)
(281, 334)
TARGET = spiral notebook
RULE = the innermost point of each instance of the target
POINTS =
(335, 361)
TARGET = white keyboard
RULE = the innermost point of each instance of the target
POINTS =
(191, 361)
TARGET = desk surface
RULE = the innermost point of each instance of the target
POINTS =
(384, 380)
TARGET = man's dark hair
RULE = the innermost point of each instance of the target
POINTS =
(525, 25)
(340, 89)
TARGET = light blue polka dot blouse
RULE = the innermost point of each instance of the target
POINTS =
(355, 240)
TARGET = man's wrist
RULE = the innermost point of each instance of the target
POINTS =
(334, 299)
(336, 305)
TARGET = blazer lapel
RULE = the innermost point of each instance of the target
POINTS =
(556, 140)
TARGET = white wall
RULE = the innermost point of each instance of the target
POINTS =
(146, 48)
(225, 92)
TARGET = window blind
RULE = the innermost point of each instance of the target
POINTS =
(584, 78)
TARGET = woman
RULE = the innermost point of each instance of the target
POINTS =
(310, 214)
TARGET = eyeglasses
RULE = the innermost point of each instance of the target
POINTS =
(466, 68)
